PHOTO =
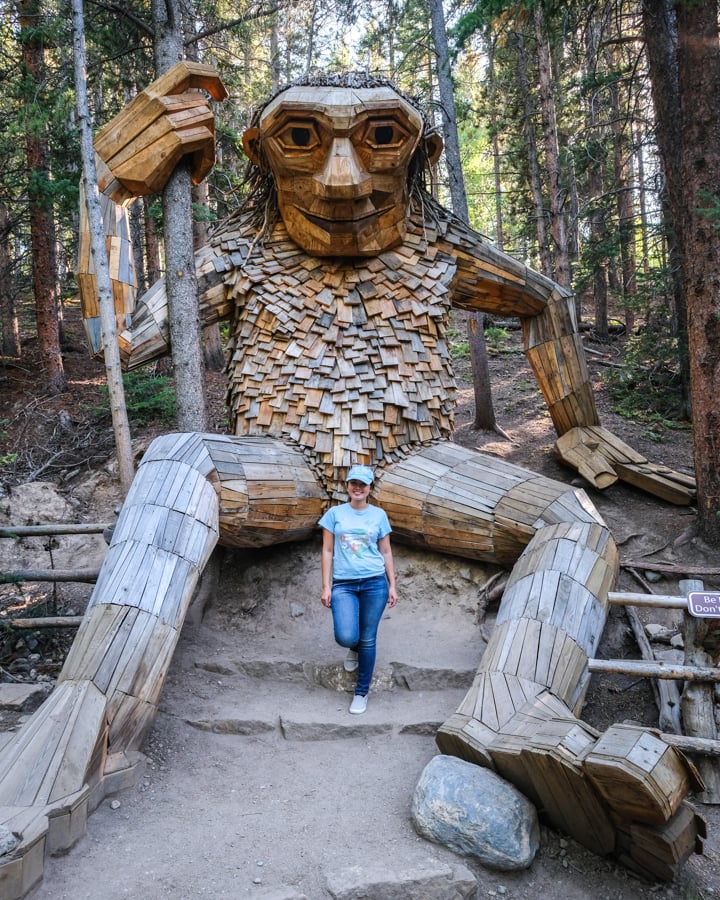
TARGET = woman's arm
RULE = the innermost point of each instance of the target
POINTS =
(386, 550)
(326, 567)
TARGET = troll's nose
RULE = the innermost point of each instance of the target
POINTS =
(343, 177)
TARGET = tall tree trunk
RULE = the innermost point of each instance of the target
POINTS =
(598, 228)
(135, 221)
(556, 192)
(91, 197)
(42, 223)
(484, 412)
(532, 157)
(660, 34)
(213, 356)
(9, 329)
(212, 342)
(180, 276)
(152, 244)
(699, 90)
(622, 169)
(499, 226)
(274, 55)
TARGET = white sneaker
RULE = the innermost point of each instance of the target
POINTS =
(351, 661)
(358, 705)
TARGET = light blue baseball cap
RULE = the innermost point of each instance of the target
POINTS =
(361, 473)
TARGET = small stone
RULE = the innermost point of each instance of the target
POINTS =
(677, 641)
(296, 609)
(8, 841)
(257, 880)
(115, 804)
(652, 577)
(652, 629)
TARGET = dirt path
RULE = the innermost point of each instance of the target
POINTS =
(259, 784)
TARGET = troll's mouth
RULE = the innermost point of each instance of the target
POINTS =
(338, 224)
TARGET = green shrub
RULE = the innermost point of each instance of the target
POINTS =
(149, 398)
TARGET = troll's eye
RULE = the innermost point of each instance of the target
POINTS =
(384, 134)
(299, 135)
(387, 132)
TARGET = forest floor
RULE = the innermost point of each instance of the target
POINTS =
(257, 783)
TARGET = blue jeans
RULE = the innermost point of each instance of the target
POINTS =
(357, 607)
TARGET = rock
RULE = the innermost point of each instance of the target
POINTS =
(476, 813)
(22, 697)
(8, 841)
(432, 881)
(296, 609)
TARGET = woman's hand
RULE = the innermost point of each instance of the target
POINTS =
(326, 597)
(392, 597)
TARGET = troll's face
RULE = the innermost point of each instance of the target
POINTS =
(340, 160)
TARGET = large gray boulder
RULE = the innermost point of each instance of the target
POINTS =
(476, 813)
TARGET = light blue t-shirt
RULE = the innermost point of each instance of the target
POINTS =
(356, 533)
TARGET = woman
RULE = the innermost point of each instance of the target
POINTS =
(358, 577)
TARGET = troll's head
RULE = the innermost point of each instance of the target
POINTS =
(342, 154)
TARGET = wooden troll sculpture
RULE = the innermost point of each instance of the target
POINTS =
(338, 276)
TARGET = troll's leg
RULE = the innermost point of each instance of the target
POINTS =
(188, 489)
(620, 793)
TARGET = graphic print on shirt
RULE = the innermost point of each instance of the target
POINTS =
(356, 542)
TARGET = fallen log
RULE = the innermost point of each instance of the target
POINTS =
(669, 567)
(16, 531)
(666, 692)
(701, 746)
(47, 622)
(653, 670)
(85, 576)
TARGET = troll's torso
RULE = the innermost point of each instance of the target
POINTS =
(347, 358)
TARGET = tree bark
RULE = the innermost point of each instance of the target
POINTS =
(660, 35)
(597, 217)
(9, 329)
(532, 157)
(152, 245)
(42, 223)
(556, 192)
(622, 168)
(180, 276)
(484, 412)
(699, 89)
(111, 350)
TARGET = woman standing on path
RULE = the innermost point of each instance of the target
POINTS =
(358, 577)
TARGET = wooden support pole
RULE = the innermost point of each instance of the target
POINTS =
(698, 700)
(84, 576)
(653, 670)
(659, 601)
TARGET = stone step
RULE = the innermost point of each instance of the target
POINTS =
(303, 711)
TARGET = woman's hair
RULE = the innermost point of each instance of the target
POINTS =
(260, 203)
